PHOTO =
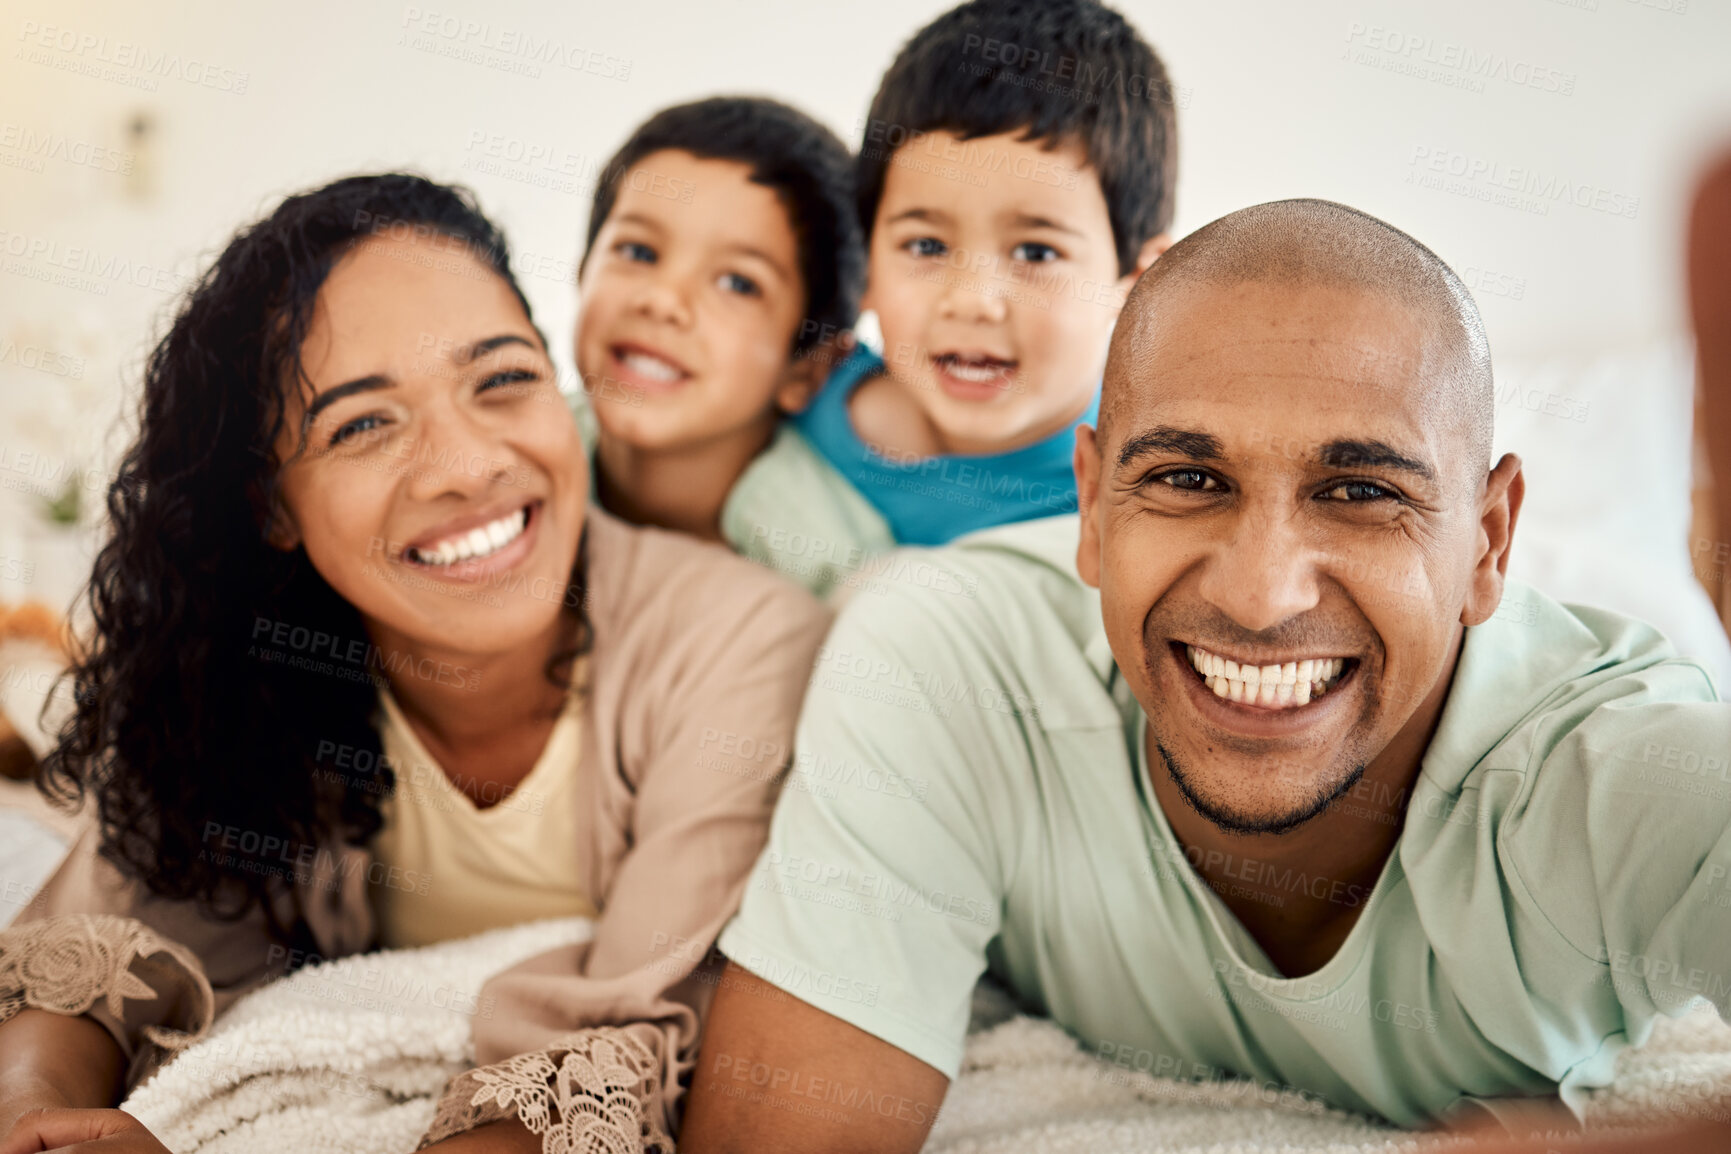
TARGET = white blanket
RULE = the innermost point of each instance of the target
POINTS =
(351, 1056)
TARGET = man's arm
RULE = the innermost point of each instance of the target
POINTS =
(777, 1075)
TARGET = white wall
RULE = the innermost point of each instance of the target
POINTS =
(1278, 98)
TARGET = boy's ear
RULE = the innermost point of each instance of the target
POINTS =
(800, 381)
(1151, 253)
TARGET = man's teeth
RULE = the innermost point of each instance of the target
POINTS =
(476, 543)
(653, 367)
(976, 372)
(1291, 684)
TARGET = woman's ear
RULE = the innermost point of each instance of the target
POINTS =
(281, 532)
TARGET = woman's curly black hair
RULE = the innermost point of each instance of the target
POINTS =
(190, 742)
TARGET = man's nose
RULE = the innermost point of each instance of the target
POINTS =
(1261, 572)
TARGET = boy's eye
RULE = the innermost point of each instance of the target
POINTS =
(735, 283)
(1355, 491)
(926, 246)
(1191, 480)
(1034, 252)
(634, 251)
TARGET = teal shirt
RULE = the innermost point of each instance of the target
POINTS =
(969, 793)
(792, 511)
(936, 499)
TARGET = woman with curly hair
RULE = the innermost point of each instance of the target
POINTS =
(368, 669)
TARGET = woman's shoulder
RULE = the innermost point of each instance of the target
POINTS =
(645, 578)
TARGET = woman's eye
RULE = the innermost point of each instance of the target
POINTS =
(926, 246)
(1192, 480)
(743, 285)
(1034, 252)
(352, 429)
(1352, 491)
(633, 251)
(508, 377)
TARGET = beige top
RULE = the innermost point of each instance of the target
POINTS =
(699, 662)
(462, 869)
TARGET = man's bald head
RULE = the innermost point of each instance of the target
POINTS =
(1306, 243)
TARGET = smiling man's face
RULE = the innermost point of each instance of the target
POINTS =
(1288, 528)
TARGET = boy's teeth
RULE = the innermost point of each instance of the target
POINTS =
(649, 366)
(476, 543)
(979, 372)
(1291, 684)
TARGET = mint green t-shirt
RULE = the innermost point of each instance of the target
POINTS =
(969, 793)
(792, 511)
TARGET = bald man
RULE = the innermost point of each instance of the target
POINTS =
(1258, 767)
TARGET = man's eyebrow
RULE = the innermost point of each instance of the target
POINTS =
(468, 353)
(348, 388)
(1373, 455)
(1170, 439)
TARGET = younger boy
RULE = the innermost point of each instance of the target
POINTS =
(1015, 179)
(722, 243)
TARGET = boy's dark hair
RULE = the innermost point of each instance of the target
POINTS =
(1054, 69)
(805, 163)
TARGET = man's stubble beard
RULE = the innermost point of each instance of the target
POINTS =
(1231, 821)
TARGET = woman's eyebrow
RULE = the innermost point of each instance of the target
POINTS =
(463, 355)
(332, 395)
(467, 353)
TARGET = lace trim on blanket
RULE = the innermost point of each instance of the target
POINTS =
(596, 1091)
(65, 964)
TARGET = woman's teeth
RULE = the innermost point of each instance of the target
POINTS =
(653, 367)
(1291, 684)
(480, 542)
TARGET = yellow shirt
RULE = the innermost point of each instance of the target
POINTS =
(452, 869)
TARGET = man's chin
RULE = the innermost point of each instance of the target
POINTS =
(1299, 805)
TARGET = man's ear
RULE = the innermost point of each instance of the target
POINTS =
(1499, 509)
(1086, 463)
(801, 380)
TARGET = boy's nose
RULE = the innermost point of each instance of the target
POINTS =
(664, 300)
(969, 298)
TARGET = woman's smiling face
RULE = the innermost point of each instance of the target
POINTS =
(431, 468)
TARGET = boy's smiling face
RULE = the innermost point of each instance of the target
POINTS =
(994, 275)
(689, 305)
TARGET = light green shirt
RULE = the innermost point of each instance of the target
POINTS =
(969, 791)
(792, 511)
